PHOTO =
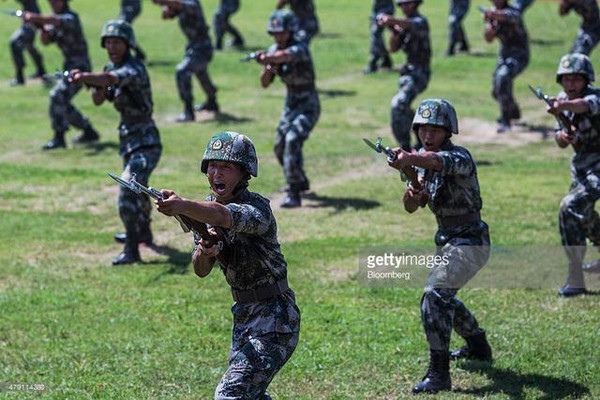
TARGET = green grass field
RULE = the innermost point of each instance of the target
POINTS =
(153, 330)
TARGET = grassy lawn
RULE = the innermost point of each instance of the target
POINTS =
(153, 330)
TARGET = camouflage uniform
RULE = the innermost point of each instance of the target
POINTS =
(307, 19)
(456, 33)
(376, 43)
(589, 32)
(522, 5)
(414, 77)
(130, 9)
(139, 141)
(300, 113)
(198, 54)
(68, 35)
(512, 60)
(23, 38)
(221, 23)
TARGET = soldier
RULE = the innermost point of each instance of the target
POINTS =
(456, 33)
(291, 60)
(64, 29)
(449, 186)
(377, 46)
(130, 9)
(221, 22)
(411, 34)
(126, 84)
(198, 54)
(266, 319)
(589, 32)
(505, 23)
(305, 11)
(579, 102)
(23, 39)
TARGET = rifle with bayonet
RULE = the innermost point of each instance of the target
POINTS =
(407, 173)
(14, 13)
(250, 57)
(187, 224)
(561, 118)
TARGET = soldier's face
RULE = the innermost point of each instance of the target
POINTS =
(432, 137)
(116, 49)
(223, 178)
(499, 4)
(58, 6)
(573, 84)
(409, 9)
(281, 38)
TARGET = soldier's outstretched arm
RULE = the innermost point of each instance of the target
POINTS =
(209, 212)
(40, 20)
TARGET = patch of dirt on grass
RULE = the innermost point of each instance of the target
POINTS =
(477, 131)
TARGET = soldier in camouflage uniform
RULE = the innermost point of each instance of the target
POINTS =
(291, 60)
(579, 102)
(505, 23)
(126, 84)
(305, 11)
(448, 184)
(65, 30)
(130, 9)
(23, 39)
(456, 33)
(198, 54)
(589, 32)
(221, 24)
(411, 34)
(266, 320)
(377, 46)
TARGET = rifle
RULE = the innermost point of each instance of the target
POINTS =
(65, 76)
(14, 13)
(407, 173)
(187, 224)
(561, 118)
(250, 57)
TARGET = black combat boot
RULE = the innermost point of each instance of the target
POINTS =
(89, 135)
(477, 348)
(19, 79)
(146, 237)
(56, 143)
(386, 63)
(450, 52)
(438, 374)
(130, 254)
(187, 115)
(371, 66)
(292, 200)
(464, 46)
(302, 187)
(210, 105)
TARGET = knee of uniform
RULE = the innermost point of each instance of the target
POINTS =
(436, 298)
(182, 73)
(452, 19)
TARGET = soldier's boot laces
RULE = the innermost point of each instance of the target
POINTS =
(57, 142)
(592, 267)
(292, 200)
(146, 237)
(130, 254)
(210, 105)
(477, 348)
(387, 62)
(437, 377)
(89, 135)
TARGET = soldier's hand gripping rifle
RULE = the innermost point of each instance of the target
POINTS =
(407, 173)
(561, 118)
(187, 224)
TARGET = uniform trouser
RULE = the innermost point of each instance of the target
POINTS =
(585, 41)
(441, 310)
(253, 366)
(62, 111)
(23, 39)
(522, 5)
(308, 28)
(506, 71)
(376, 43)
(577, 221)
(411, 83)
(299, 117)
(456, 33)
(199, 67)
(221, 21)
(130, 10)
(134, 208)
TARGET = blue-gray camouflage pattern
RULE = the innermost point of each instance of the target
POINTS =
(588, 35)
(300, 113)
(308, 23)
(198, 53)
(414, 77)
(453, 191)
(377, 47)
(23, 39)
(130, 9)
(458, 10)
(221, 20)
(577, 218)
(512, 59)
(265, 333)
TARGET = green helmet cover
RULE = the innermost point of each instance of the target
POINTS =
(118, 28)
(232, 147)
(575, 63)
(437, 112)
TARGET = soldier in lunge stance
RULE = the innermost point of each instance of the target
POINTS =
(23, 39)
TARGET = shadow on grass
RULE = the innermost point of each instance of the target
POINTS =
(482, 54)
(178, 261)
(222, 118)
(543, 130)
(329, 35)
(94, 149)
(339, 204)
(336, 92)
(544, 42)
(514, 385)
(161, 63)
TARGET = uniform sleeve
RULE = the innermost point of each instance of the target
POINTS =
(418, 24)
(126, 74)
(299, 52)
(512, 16)
(593, 101)
(248, 219)
(68, 22)
(456, 162)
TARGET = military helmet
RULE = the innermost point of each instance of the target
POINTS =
(575, 63)
(282, 20)
(232, 147)
(436, 112)
(118, 28)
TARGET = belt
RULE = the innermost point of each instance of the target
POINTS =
(453, 222)
(261, 293)
(301, 88)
